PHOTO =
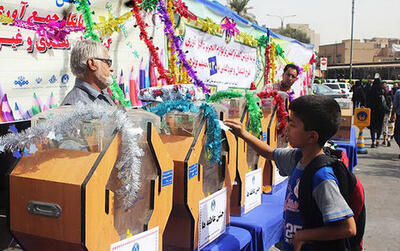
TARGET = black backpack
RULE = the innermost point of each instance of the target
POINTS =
(351, 190)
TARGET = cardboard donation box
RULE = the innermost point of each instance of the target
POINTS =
(195, 179)
(67, 195)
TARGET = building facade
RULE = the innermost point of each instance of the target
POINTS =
(369, 56)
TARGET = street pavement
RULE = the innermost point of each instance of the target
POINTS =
(379, 171)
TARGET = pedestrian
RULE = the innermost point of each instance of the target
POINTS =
(388, 125)
(377, 104)
(313, 120)
(396, 117)
(91, 65)
(358, 95)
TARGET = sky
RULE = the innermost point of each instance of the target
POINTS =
(332, 18)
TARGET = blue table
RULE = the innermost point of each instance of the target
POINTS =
(265, 221)
(350, 147)
(234, 238)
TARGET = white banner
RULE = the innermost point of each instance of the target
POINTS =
(144, 241)
(212, 217)
(219, 63)
(253, 190)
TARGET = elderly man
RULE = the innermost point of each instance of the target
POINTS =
(91, 65)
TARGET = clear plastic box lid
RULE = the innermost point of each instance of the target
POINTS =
(91, 136)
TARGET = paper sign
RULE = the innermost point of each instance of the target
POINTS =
(253, 190)
(144, 241)
(212, 217)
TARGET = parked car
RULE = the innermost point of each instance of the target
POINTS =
(323, 89)
(339, 87)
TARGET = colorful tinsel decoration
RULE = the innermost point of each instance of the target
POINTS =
(273, 63)
(83, 7)
(262, 41)
(5, 19)
(118, 94)
(267, 66)
(169, 30)
(213, 130)
(246, 39)
(230, 27)
(172, 65)
(144, 36)
(107, 26)
(208, 25)
(281, 111)
(54, 30)
(183, 11)
(255, 114)
(148, 5)
(251, 102)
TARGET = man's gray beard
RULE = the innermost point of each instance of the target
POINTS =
(109, 80)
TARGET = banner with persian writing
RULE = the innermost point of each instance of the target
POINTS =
(218, 63)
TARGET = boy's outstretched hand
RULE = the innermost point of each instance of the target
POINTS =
(235, 127)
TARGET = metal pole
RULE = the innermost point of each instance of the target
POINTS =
(351, 41)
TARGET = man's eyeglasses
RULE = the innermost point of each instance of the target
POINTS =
(105, 60)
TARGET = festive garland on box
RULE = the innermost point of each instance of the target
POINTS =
(213, 130)
(172, 92)
(176, 42)
(251, 102)
(281, 111)
(255, 114)
(129, 157)
(172, 64)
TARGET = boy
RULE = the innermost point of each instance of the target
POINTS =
(313, 119)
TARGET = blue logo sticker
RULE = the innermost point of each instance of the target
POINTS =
(21, 81)
(362, 116)
(192, 171)
(167, 178)
(264, 136)
(38, 80)
(65, 79)
(136, 247)
(53, 79)
(212, 62)
(213, 205)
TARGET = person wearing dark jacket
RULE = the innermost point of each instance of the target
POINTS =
(358, 94)
(377, 103)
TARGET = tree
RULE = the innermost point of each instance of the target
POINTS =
(240, 7)
(296, 34)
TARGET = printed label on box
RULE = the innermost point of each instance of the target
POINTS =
(167, 178)
(144, 241)
(212, 217)
(192, 170)
(253, 190)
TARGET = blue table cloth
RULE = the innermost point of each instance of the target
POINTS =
(265, 221)
(234, 238)
(351, 148)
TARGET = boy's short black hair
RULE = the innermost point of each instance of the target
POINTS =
(293, 66)
(318, 113)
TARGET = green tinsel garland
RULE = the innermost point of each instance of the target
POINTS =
(251, 102)
(83, 7)
(118, 94)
